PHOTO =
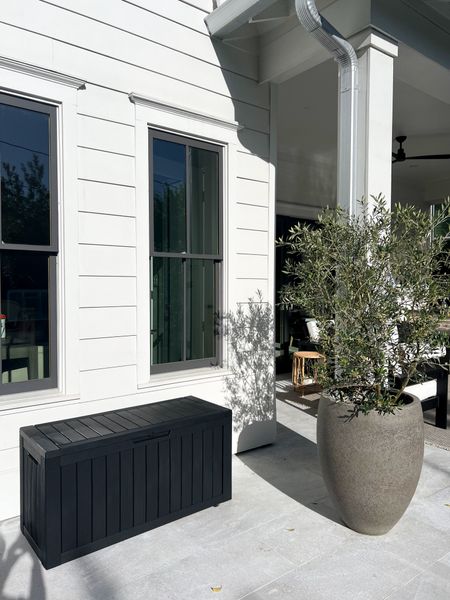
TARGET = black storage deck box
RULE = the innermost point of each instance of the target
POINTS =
(90, 482)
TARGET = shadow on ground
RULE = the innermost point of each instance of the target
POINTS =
(292, 466)
(18, 553)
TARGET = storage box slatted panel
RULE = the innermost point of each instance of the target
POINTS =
(92, 481)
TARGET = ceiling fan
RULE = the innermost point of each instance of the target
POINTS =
(400, 155)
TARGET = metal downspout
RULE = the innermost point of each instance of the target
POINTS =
(345, 55)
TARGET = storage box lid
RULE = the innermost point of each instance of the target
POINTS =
(69, 435)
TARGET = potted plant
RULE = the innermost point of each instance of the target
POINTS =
(377, 284)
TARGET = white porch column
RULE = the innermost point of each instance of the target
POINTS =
(374, 147)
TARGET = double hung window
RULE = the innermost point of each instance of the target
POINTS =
(29, 245)
(185, 251)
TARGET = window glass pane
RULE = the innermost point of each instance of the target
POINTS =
(169, 196)
(205, 202)
(24, 157)
(25, 316)
(167, 310)
(200, 309)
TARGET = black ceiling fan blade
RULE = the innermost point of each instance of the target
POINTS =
(429, 157)
(394, 155)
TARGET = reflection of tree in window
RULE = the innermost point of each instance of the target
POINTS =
(25, 202)
(170, 215)
(27, 249)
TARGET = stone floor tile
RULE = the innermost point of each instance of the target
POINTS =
(347, 573)
(434, 584)
(238, 567)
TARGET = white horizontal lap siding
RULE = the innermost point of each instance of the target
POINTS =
(105, 135)
(160, 49)
(107, 291)
(254, 142)
(249, 290)
(107, 238)
(252, 217)
(106, 198)
(107, 383)
(126, 47)
(251, 166)
(109, 230)
(111, 321)
(251, 242)
(169, 23)
(96, 165)
(107, 261)
(252, 192)
(105, 103)
(107, 72)
(105, 353)
(255, 265)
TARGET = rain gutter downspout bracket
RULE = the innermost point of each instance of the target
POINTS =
(345, 55)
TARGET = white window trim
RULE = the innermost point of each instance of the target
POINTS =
(35, 83)
(155, 114)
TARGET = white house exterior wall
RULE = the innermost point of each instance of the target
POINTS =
(160, 51)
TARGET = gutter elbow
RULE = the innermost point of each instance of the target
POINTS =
(308, 15)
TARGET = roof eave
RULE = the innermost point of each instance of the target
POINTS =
(232, 14)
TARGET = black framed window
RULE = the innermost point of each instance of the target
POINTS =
(28, 245)
(185, 251)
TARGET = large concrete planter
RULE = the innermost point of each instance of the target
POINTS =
(371, 463)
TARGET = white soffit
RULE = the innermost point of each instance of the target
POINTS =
(232, 14)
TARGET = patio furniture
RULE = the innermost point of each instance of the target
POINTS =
(433, 393)
(90, 482)
(299, 379)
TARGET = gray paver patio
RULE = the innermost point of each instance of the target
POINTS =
(278, 538)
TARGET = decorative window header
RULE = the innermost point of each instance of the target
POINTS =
(41, 72)
(183, 112)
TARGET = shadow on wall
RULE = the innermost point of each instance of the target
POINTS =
(18, 554)
(250, 99)
(250, 388)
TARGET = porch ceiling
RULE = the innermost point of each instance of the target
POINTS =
(307, 136)
(270, 30)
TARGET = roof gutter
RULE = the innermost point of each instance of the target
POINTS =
(345, 55)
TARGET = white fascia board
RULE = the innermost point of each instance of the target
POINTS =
(232, 14)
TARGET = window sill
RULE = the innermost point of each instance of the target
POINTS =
(163, 381)
(22, 402)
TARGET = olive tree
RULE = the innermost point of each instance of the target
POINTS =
(377, 283)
